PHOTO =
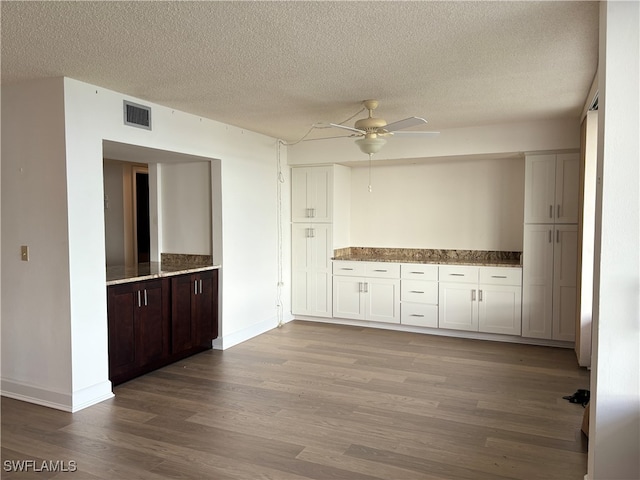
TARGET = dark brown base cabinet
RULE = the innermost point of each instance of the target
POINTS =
(156, 322)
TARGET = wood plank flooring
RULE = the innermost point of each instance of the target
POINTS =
(320, 401)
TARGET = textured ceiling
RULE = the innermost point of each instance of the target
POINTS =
(279, 67)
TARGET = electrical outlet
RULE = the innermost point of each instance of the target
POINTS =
(24, 253)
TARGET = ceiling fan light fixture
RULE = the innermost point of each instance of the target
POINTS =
(370, 145)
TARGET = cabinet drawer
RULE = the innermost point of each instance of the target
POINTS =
(420, 292)
(419, 315)
(382, 269)
(501, 275)
(459, 273)
(419, 271)
(343, 267)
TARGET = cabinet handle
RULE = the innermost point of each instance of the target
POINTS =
(195, 287)
(380, 270)
(145, 297)
(366, 287)
(550, 236)
(480, 295)
(473, 295)
(457, 274)
(417, 273)
(313, 232)
(360, 287)
(200, 285)
(313, 212)
(498, 276)
(416, 315)
(139, 303)
(557, 236)
(345, 268)
(550, 211)
(558, 214)
(416, 291)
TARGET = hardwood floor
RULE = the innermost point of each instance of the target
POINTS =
(320, 401)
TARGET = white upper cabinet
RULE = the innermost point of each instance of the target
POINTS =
(311, 194)
(552, 188)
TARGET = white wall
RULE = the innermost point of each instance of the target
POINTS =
(487, 139)
(58, 345)
(614, 440)
(474, 204)
(114, 213)
(36, 331)
(186, 208)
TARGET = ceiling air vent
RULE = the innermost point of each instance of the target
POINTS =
(137, 115)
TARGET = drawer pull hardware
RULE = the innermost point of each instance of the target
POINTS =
(557, 236)
(480, 295)
(558, 215)
(417, 273)
(139, 303)
(416, 291)
(550, 236)
(416, 315)
(145, 297)
(345, 268)
(473, 295)
(195, 287)
(200, 286)
(378, 270)
(457, 274)
(498, 276)
(550, 211)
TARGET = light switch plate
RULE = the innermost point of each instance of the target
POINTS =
(24, 253)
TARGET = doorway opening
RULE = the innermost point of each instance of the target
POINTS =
(141, 220)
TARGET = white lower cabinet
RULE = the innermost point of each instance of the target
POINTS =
(366, 291)
(419, 295)
(550, 281)
(311, 269)
(480, 299)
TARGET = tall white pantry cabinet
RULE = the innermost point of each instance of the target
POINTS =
(320, 214)
(550, 249)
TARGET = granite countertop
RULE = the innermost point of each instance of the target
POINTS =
(171, 264)
(433, 256)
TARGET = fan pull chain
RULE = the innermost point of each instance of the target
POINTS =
(370, 189)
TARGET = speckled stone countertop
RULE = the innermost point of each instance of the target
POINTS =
(424, 255)
(171, 264)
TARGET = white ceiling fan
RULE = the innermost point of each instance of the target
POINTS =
(372, 129)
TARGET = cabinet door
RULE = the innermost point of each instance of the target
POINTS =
(458, 309)
(122, 302)
(537, 281)
(382, 297)
(183, 287)
(311, 194)
(567, 188)
(203, 310)
(539, 189)
(311, 269)
(499, 309)
(348, 301)
(152, 336)
(565, 258)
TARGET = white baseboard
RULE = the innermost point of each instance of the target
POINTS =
(91, 395)
(227, 341)
(56, 399)
(438, 331)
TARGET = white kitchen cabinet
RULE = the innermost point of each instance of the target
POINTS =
(480, 299)
(366, 291)
(552, 188)
(311, 292)
(311, 194)
(419, 295)
(549, 281)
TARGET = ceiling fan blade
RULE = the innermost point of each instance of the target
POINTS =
(406, 123)
(345, 127)
(415, 133)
